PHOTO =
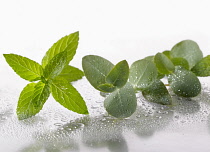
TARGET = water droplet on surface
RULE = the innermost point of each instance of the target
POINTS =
(58, 124)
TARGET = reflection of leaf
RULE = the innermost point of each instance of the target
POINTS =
(117, 145)
(32, 148)
(147, 124)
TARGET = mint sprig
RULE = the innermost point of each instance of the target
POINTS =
(54, 75)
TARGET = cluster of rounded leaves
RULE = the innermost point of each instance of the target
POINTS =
(181, 65)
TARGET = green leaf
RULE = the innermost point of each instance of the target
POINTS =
(151, 58)
(71, 73)
(202, 68)
(27, 103)
(188, 50)
(55, 66)
(24, 67)
(163, 63)
(68, 43)
(122, 102)
(142, 74)
(41, 94)
(180, 62)
(107, 87)
(96, 70)
(118, 76)
(157, 93)
(184, 82)
(167, 53)
(65, 94)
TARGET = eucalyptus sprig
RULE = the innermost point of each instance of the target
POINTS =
(54, 76)
(181, 65)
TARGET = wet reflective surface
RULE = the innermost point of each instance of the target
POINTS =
(185, 126)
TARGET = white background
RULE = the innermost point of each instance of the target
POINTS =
(113, 29)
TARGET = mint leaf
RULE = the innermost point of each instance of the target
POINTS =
(157, 93)
(55, 66)
(202, 68)
(71, 73)
(188, 50)
(142, 74)
(184, 82)
(41, 94)
(28, 98)
(96, 70)
(118, 76)
(65, 94)
(163, 64)
(24, 67)
(122, 102)
(68, 43)
(107, 87)
(180, 62)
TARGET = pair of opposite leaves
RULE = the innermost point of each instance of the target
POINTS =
(144, 75)
(54, 77)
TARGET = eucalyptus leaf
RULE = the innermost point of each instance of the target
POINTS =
(202, 68)
(122, 102)
(65, 94)
(107, 87)
(157, 93)
(55, 66)
(151, 58)
(180, 62)
(188, 50)
(163, 63)
(184, 82)
(118, 76)
(67, 43)
(71, 73)
(24, 67)
(142, 74)
(167, 53)
(96, 70)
